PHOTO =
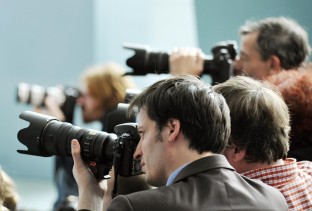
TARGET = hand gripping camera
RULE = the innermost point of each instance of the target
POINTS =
(218, 65)
(46, 136)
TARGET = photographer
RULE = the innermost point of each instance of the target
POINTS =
(267, 47)
(259, 140)
(102, 88)
(179, 154)
(67, 190)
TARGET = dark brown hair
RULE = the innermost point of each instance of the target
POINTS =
(259, 118)
(203, 114)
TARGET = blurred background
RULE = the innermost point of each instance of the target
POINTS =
(52, 42)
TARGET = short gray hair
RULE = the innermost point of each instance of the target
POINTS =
(282, 37)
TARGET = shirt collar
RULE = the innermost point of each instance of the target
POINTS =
(174, 174)
(275, 175)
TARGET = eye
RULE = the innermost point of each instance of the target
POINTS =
(140, 132)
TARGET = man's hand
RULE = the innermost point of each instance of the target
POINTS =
(52, 109)
(186, 61)
(108, 196)
(91, 191)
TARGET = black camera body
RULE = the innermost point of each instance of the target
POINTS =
(47, 136)
(218, 65)
(65, 97)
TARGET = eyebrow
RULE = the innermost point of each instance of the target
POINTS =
(242, 53)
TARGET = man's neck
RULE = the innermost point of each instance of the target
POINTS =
(191, 157)
(178, 153)
(188, 157)
(254, 166)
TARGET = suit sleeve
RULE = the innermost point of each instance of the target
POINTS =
(120, 203)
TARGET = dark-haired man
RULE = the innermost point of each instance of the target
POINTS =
(183, 127)
(259, 143)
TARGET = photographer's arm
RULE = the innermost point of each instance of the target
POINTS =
(51, 109)
(186, 61)
(108, 196)
(91, 191)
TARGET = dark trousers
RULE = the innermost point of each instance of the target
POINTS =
(64, 180)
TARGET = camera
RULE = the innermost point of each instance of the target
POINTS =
(119, 114)
(65, 97)
(46, 136)
(218, 65)
(130, 94)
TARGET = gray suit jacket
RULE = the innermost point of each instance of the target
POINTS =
(209, 183)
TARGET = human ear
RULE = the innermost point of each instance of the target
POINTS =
(174, 129)
(234, 153)
(238, 153)
(275, 65)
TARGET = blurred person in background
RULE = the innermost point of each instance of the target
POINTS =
(8, 195)
(296, 88)
(102, 87)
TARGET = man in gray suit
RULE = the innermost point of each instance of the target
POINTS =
(183, 126)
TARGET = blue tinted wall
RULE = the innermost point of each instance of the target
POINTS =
(51, 42)
(219, 20)
(45, 43)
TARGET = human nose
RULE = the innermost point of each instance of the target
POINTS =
(138, 151)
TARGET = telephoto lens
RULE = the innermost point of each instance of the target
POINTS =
(46, 136)
(64, 97)
(219, 65)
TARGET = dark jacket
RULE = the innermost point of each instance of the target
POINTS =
(209, 183)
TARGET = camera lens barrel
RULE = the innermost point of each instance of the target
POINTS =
(218, 65)
(46, 136)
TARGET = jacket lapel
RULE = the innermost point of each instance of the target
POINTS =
(203, 164)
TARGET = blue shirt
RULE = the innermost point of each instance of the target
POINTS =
(174, 174)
